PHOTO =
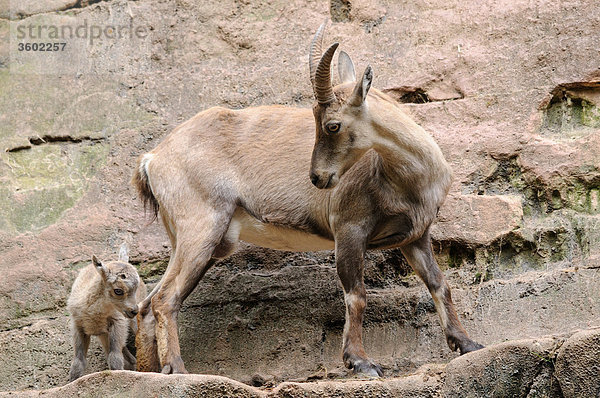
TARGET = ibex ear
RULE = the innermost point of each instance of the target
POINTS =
(123, 255)
(362, 88)
(99, 267)
(346, 68)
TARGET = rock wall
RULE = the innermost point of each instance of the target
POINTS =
(509, 90)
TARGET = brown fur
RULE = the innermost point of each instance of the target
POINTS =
(228, 175)
(140, 181)
(96, 310)
(147, 355)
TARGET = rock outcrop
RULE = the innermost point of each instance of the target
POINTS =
(509, 90)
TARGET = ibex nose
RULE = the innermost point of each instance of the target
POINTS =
(131, 313)
(314, 178)
(324, 181)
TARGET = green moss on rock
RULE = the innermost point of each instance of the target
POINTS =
(57, 147)
(46, 180)
(569, 113)
(152, 268)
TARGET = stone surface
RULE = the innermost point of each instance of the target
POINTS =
(134, 384)
(508, 369)
(477, 220)
(23, 8)
(578, 366)
(522, 368)
(509, 90)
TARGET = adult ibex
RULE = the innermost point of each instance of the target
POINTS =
(378, 180)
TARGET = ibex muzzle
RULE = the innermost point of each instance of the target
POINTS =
(375, 180)
(343, 125)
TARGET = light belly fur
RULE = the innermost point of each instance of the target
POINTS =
(275, 237)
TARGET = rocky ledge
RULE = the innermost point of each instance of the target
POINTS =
(554, 366)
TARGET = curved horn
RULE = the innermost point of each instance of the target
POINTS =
(323, 88)
(316, 49)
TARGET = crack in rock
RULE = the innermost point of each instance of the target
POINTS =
(19, 13)
(48, 139)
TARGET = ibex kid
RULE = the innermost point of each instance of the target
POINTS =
(103, 303)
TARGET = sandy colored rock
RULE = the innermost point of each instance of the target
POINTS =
(25, 8)
(566, 172)
(506, 89)
(425, 383)
(477, 219)
(578, 365)
(520, 368)
(134, 384)
(507, 369)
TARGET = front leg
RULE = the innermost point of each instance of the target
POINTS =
(130, 362)
(113, 344)
(350, 246)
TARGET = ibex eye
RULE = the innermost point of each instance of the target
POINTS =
(333, 127)
(118, 292)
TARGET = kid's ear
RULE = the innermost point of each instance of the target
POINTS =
(123, 253)
(99, 267)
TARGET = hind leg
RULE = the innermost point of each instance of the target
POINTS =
(81, 342)
(145, 335)
(420, 257)
(197, 238)
(144, 305)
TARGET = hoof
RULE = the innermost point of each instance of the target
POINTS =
(364, 367)
(176, 366)
(463, 344)
(470, 346)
